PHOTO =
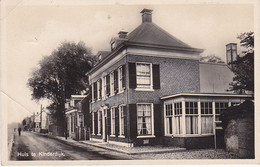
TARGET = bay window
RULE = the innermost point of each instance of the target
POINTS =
(219, 107)
(143, 75)
(206, 117)
(144, 119)
(178, 117)
(191, 111)
(168, 115)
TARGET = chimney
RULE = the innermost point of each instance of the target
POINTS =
(122, 34)
(146, 15)
(231, 53)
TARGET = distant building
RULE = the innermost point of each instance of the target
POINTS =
(152, 89)
(77, 117)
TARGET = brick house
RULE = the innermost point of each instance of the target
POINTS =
(152, 89)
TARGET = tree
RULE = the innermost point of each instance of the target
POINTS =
(211, 58)
(243, 68)
(60, 75)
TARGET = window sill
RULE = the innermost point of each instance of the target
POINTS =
(144, 90)
(121, 136)
(112, 135)
(150, 136)
(99, 134)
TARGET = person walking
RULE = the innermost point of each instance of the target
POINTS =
(19, 131)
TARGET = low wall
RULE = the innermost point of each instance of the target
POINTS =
(238, 125)
(239, 137)
(190, 142)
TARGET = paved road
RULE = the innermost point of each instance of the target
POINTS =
(32, 146)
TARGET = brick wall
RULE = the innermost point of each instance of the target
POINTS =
(239, 137)
(176, 75)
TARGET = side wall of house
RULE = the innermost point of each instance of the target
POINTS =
(215, 78)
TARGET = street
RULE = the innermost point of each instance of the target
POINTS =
(33, 146)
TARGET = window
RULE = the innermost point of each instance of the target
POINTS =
(219, 107)
(112, 83)
(108, 85)
(120, 79)
(144, 119)
(206, 117)
(143, 75)
(178, 117)
(99, 122)
(168, 114)
(113, 121)
(191, 110)
(122, 120)
(104, 88)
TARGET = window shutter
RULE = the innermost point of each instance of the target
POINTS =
(132, 75)
(109, 122)
(123, 77)
(133, 121)
(91, 123)
(116, 81)
(116, 121)
(156, 76)
(125, 121)
(96, 122)
(157, 119)
(100, 87)
(101, 124)
(91, 95)
(108, 84)
(95, 91)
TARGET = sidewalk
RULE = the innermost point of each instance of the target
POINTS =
(126, 150)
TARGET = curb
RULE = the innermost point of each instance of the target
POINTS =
(134, 153)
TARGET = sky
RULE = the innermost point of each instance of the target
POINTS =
(33, 31)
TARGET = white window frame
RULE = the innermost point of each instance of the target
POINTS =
(206, 114)
(112, 84)
(152, 121)
(192, 115)
(180, 117)
(120, 108)
(167, 126)
(150, 88)
(120, 79)
(113, 121)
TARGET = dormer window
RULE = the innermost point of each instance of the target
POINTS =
(113, 45)
(99, 57)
